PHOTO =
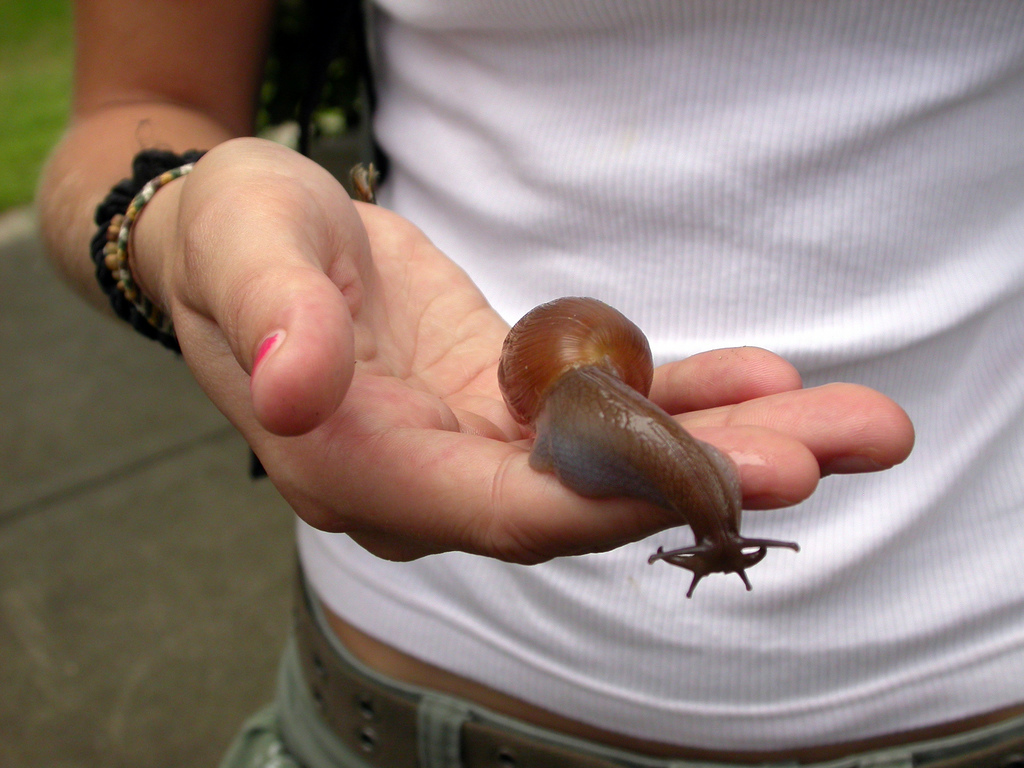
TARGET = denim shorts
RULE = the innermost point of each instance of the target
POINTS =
(292, 732)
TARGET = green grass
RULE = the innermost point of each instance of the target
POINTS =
(35, 90)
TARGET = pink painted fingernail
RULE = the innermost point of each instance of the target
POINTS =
(266, 345)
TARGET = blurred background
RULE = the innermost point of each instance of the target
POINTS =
(35, 89)
(144, 577)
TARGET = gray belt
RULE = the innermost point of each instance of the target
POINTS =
(389, 724)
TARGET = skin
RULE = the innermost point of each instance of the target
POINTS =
(376, 409)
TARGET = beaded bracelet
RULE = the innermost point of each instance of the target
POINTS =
(115, 216)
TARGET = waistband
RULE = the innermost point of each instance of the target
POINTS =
(336, 711)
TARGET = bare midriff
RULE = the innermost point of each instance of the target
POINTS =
(403, 667)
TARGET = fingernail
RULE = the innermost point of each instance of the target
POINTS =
(265, 347)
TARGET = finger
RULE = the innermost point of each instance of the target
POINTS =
(721, 377)
(776, 470)
(446, 490)
(301, 368)
(257, 255)
(848, 427)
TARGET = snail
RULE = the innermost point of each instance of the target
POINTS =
(578, 373)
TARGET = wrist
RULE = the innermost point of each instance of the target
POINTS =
(117, 216)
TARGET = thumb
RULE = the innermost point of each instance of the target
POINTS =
(299, 339)
(273, 252)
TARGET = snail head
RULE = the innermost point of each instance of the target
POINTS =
(729, 556)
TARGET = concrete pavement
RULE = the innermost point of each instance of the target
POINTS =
(143, 577)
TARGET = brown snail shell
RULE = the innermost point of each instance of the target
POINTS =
(568, 333)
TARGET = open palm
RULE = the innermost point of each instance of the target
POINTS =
(376, 409)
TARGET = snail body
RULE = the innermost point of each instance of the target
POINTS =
(578, 372)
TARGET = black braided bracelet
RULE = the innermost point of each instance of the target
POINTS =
(151, 169)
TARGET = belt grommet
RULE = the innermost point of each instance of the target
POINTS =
(364, 702)
(367, 738)
(318, 698)
(318, 667)
(507, 757)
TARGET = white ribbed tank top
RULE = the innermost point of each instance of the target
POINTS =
(840, 182)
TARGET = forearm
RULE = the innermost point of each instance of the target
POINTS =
(95, 153)
(161, 74)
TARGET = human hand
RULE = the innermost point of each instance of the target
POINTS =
(375, 407)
